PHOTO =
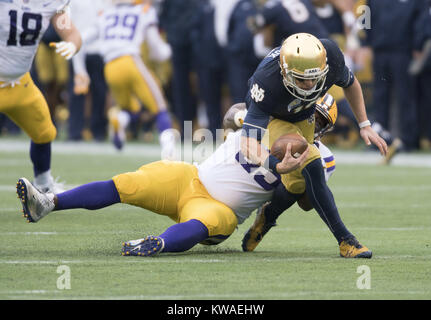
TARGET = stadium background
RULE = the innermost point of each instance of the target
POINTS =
(53, 76)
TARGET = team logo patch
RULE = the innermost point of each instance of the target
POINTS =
(257, 94)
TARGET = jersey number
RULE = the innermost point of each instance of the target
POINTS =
(127, 28)
(266, 179)
(297, 10)
(31, 24)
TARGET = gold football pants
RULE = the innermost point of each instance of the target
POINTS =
(173, 189)
(132, 83)
(25, 105)
(293, 181)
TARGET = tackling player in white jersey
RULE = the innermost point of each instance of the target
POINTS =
(207, 201)
(22, 24)
(121, 29)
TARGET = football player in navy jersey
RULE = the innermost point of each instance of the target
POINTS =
(289, 17)
(285, 86)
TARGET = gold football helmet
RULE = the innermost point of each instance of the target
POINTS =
(326, 115)
(303, 57)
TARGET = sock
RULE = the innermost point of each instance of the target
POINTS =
(40, 155)
(280, 202)
(44, 178)
(163, 121)
(91, 196)
(183, 236)
(322, 199)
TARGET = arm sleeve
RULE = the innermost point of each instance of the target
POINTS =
(159, 49)
(78, 62)
(255, 122)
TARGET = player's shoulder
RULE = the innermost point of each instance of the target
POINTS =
(267, 73)
(333, 51)
(334, 55)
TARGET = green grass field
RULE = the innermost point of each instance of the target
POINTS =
(387, 208)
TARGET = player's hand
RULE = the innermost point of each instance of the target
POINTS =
(80, 84)
(65, 49)
(289, 162)
(371, 137)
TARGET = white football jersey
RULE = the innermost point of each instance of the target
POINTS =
(231, 179)
(122, 29)
(22, 24)
(328, 160)
(84, 13)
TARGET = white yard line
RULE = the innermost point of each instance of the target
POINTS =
(16, 294)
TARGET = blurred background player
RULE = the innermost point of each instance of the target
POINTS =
(391, 56)
(121, 28)
(22, 27)
(179, 20)
(420, 68)
(88, 82)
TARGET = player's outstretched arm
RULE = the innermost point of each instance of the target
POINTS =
(356, 100)
(70, 35)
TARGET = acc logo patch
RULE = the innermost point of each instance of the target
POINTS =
(257, 94)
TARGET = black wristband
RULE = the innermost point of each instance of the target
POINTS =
(271, 163)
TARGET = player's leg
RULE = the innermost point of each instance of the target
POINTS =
(287, 193)
(201, 219)
(119, 80)
(25, 105)
(149, 92)
(155, 186)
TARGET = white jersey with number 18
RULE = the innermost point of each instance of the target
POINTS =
(22, 24)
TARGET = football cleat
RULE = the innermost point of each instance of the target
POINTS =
(351, 248)
(257, 231)
(52, 186)
(146, 247)
(35, 204)
(393, 148)
(118, 122)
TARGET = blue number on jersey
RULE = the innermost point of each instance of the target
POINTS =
(256, 171)
(29, 35)
(127, 22)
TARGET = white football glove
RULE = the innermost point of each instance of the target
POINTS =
(65, 49)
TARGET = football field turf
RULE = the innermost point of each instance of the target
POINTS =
(388, 208)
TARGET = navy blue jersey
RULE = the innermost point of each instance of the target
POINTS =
(331, 19)
(394, 24)
(290, 17)
(267, 96)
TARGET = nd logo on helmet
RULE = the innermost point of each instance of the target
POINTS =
(257, 94)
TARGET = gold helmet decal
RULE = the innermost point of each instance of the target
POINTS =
(303, 57)
(326, 115)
